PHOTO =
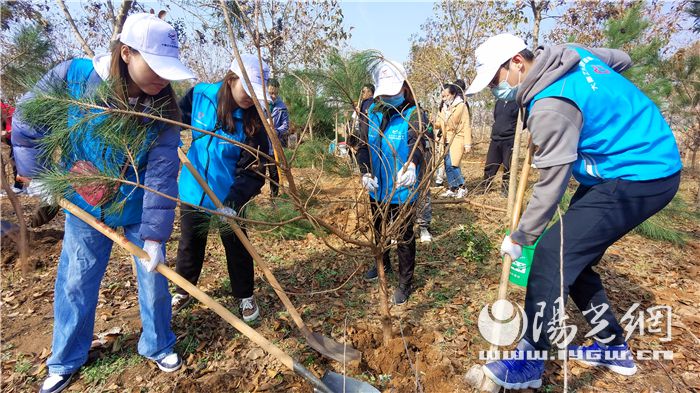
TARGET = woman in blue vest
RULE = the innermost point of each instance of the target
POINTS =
(233, 173)
(586, 119)
(140, 67)
(390, 165)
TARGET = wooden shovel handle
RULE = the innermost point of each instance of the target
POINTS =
(249, 247)
(171, 275)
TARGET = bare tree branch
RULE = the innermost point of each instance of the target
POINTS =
(71, 22)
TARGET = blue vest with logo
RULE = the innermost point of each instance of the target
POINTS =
(88, 147)
(214, 158)
(388, 153)
(624, 136)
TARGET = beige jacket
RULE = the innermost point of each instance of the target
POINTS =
(454, 122)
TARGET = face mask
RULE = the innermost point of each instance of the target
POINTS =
(504, 91)
(394, 101)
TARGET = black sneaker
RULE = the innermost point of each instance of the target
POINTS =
(400, 295)
(170, 363)
(55, 383)
(373, 274)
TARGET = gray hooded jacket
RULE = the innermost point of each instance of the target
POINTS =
(555, 125)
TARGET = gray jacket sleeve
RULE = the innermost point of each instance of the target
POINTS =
(615, 58)
(555, 125)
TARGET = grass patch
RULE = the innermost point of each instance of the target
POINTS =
(98, 371)
(282, 211)
(23, 365)
(314, 154)
(477, 245)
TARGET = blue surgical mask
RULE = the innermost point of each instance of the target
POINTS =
(394, 101)
(504, 91)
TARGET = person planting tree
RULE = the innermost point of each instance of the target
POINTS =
(234, 174)
(587, 119)
(137, 74)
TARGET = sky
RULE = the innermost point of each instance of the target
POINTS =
(386, 26)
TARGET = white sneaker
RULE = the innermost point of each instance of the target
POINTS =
(448, 194)
(425, 236)
(170, 363)
(461, 193)
(249, 309)
(179, 301)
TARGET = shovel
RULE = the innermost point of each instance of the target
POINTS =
(322, 344)
(351, 385)
(475, 376)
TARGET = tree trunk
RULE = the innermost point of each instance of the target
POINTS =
(387, 332)
(692, 159)
(22, 244)
(119, 20)
(79, 36)
(537, 19)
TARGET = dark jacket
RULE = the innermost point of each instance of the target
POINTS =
(505, 117)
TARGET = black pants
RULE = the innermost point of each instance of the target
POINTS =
(194, 226)
(597, 217)
(500, 152)
(406, 247)
(274, 179)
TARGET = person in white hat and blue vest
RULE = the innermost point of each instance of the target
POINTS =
(390, 162)
(588, 120)
(233, 173)
(141, 65)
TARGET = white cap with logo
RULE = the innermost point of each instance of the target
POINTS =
(157, 43)
(490, 55)
(389, 77)
(258, 76)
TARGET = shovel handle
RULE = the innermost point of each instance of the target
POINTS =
(197, 293)
(249, 247)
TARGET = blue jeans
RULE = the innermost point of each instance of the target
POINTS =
(83, 263)
(454, 174)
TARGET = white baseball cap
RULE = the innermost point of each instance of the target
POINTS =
(157, 42)
(490, 55)
(258, 76)
(389, 77)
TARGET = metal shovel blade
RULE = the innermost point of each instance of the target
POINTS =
(344, 384)
(330, 348)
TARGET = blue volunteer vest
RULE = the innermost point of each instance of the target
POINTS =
(214, 158)
(388, 153)
(88, 147)
(624, 136)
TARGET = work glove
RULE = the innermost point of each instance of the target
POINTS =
(369, 182)
(38, 189)
(155, 255)
(508, 246)
(227, 212)
(406, 177)
(467, 148)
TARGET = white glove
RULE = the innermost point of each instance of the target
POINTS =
(227, 212)
(38, 189)
(369, 182)
(155, 254)
(515, 250)
(406, 178)
(467, 148)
